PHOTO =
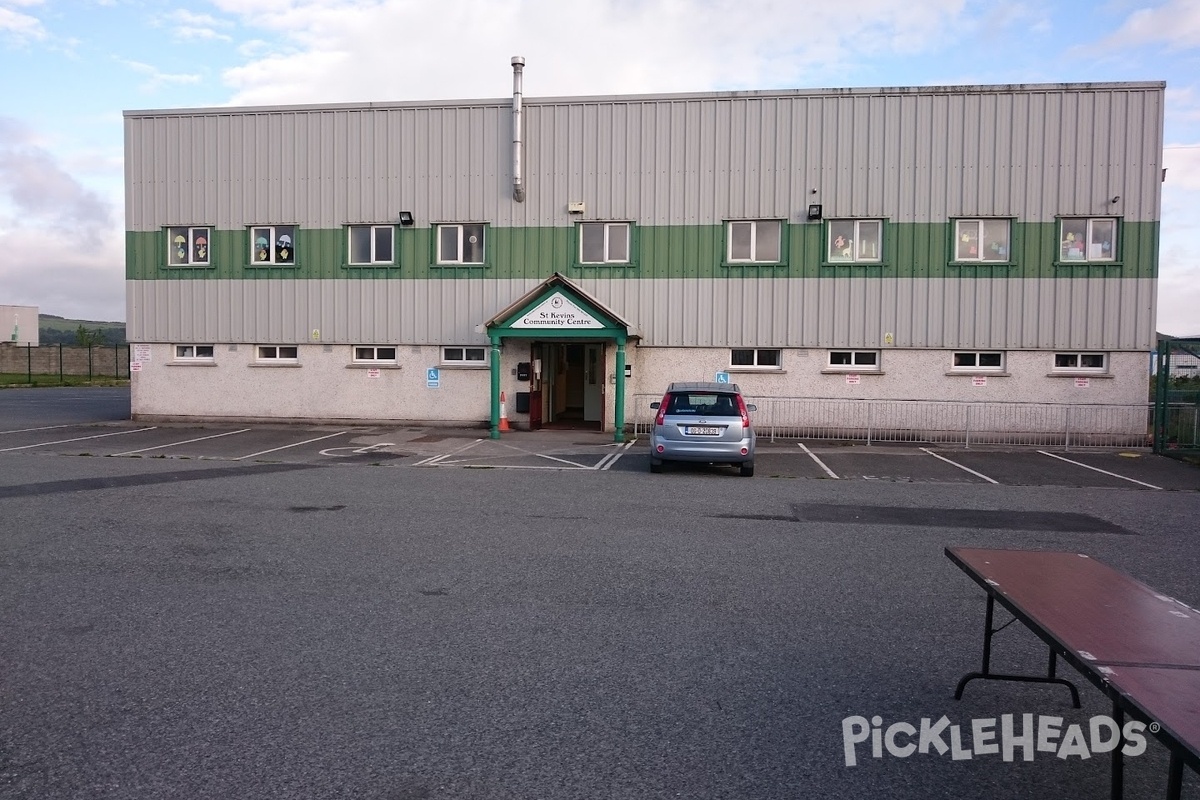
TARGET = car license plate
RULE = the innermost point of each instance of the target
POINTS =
(698, 430)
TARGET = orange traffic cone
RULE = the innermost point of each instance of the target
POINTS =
(503, 414)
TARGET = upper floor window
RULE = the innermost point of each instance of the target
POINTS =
(371, 244)
(273, 244)
(755, 241)
(986, 240)
(852, 240)
(604, 242)
(1088, 239)
(460, 244)
(188, 247)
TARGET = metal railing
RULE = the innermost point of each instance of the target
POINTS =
(940, 422)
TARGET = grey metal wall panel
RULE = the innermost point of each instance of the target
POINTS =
(911, 155)
(1081, 313)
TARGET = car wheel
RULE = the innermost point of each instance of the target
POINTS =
(656, 465)
(747, 469)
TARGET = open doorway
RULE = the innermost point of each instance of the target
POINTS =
(569, 391)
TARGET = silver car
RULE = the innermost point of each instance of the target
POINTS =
(703, 422)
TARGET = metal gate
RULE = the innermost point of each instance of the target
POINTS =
(1177, 398)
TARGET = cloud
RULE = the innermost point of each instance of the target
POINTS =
(61, 244)
(1175, 24)
(157, 78)
(18, 26)
(189, 26)
(323, 50)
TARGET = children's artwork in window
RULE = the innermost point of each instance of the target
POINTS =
(273, 245)
(1074, 238)
(995, 240)
(968, 241)
(187, 247)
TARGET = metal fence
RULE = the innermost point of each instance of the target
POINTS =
(1177, 398)
(940, 422)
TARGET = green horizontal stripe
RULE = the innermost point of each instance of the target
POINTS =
(669, 251)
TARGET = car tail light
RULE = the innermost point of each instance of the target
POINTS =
(660, 418)
(745, 413)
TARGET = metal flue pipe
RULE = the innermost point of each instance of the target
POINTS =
(518, 64)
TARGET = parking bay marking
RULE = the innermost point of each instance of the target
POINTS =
(820, 463)
(1097, 469)
(46, 428)
(355, 451)
(174, 444)
(611, 458)
(433, 460)
(286, 446)
(960, 466)
(80, 439)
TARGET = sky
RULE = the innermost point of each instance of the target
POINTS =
(69, 69)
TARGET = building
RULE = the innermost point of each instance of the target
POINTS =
(20, 325)
(413, 261)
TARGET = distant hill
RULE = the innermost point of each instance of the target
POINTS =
(53, 329)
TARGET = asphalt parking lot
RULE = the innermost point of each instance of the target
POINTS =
(404, 613)
(437, 447)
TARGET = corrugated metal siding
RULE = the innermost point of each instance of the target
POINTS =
(1046, 313)
(908, 156)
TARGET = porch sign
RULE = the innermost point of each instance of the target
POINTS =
(557, 311)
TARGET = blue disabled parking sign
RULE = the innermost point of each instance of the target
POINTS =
(433, 378)
(722, 377)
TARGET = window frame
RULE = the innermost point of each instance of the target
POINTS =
(856, 239)
(757, 366)
(608, 261)
(190, 235)
(375, 358)
(1077, 368)
(373, 228)
(276, 234)
(261, 357)
(464, 362)
(194, 358)
(981, 222)
(1114, 259)
(855, 365)
(462, 226)
(976, 368)
(730, 261)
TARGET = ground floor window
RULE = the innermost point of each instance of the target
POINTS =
(760, 359)
(854, 360)
(277, 353)
(969, 360)
(1080, 362)
(193, 352)
(374, 353)
(464, 356)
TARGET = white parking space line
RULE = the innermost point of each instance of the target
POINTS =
(960, 466)
(286, 446)
(1097, 469)
(433, 460)
(174, 444)
(47, 428)
(820, 463)
(80, 439)
(611, 458)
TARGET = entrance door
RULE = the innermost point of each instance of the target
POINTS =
(593, 383)
(535, 386)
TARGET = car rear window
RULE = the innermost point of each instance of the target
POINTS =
(697, 404)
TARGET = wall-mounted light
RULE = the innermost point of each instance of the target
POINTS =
(406, 218)
(814, 211)
(1116, 197)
